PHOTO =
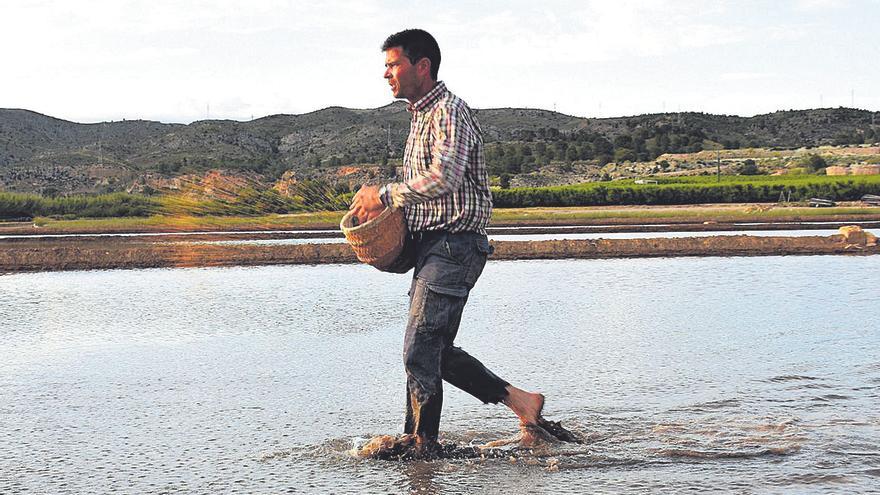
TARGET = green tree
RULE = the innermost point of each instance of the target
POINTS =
(560, 147)
(602, 146)
(540, 148)
(623, 141)
(814, 163)
(585, 151)
(748, 167)
(624, 155)
(505, 181)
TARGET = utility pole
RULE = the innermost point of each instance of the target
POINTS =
(100, 147)
(718, 158)
(876, 138)
(388, 142)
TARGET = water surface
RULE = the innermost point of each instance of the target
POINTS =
(686, 374)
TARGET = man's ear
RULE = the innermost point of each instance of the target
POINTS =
(424, 66)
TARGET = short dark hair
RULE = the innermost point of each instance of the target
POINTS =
(416, 44)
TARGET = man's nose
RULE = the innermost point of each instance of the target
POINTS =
(387, 73)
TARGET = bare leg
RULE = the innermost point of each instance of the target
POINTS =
(526, 405)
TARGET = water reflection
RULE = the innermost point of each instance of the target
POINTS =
(557, 236)
(420, 477)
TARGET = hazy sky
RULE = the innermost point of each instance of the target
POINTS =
(179, 61)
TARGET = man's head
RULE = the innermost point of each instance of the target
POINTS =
(412, 60)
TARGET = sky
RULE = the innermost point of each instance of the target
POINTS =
(186, 60)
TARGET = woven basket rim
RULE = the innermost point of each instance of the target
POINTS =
(361, 228)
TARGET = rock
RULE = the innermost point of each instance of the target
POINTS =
(855, 236)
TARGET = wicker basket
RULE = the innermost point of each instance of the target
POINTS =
(378, 242)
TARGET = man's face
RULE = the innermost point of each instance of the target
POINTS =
(401, 74)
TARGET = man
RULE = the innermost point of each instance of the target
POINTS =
(447, 204)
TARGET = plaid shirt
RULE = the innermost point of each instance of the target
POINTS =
(446, 186)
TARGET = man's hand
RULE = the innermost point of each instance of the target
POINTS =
(366, 204)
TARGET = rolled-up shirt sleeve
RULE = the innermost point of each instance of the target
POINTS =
(452, 141)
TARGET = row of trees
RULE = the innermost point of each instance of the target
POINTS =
(532, 149)
(856, 137)
(641, 144)
(526, 151)
(14, 205)
(603, 194)
(307, 195)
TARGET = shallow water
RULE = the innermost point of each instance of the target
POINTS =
(561, 234)
(687, 374)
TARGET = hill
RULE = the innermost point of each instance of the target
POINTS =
(45, 154)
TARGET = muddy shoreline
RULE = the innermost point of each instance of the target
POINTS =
(31, 255)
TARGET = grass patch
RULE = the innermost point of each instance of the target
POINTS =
(193, 223)
(330, 219)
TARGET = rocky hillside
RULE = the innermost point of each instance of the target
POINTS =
(44, 154)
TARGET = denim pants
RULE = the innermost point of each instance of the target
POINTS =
(446, 268)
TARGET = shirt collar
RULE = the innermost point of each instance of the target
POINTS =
(431, 97)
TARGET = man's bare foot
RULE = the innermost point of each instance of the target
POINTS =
(526, 405)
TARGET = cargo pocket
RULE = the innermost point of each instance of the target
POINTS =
(478, 261)
(440, 267)
(436, 308)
